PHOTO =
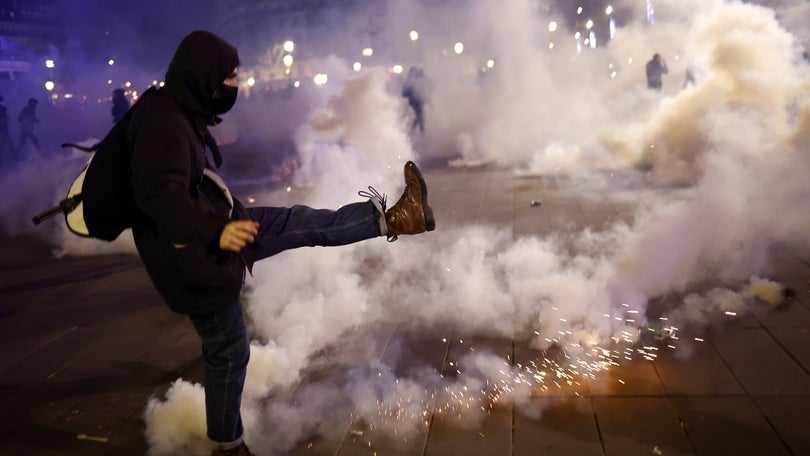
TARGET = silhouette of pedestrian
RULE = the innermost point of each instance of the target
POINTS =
(655, 69)
(27, 119)
(689, 78)
(120, 105)
(415, 91)
(6, 147)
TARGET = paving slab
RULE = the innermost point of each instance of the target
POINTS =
(788, 416)
(491, 436)
(631, 426)
(408, 354)
(728, 425)
(759, 363)
(699, 371)
(634, 377)
(796, 343)
(560, 426)
(791, 313)
(456, 426)
(787, 266)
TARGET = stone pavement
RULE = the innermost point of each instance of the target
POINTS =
(85, 341)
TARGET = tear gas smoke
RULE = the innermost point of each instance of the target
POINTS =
(732, 144)
(736, 136)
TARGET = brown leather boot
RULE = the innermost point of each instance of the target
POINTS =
(411, 214)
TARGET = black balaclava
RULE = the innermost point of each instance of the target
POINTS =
(199, 66)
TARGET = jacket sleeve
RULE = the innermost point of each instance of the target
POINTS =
(161, 178)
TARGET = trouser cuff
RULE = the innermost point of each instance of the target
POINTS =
(230, 445)
(378, 210)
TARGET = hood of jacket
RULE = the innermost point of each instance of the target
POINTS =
(199, 66)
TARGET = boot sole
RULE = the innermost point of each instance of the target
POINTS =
(430, 222)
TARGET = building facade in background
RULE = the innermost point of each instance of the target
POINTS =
(318, 27)
(28, 28)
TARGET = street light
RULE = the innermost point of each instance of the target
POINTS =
(289, 46)
(49, 85)
(357, 66)
(552, 26)
(414, 35)
(458, 48)
(609, 10)
(320, 79)
(367, 52)
(49, 63)
(111, 62)
(251, 81)
(288, 60)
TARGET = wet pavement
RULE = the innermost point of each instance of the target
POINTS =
(85, 341)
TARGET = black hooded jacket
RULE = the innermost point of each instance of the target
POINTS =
(183, 212)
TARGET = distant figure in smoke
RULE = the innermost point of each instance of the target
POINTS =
(415, 90)
(6, 147)
(656, 67)
(120, 105)
(689, 77)
(27, 119)
(197, 240)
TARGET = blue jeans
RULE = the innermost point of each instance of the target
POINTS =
(226, 351)
(225, 344)
(285, 228)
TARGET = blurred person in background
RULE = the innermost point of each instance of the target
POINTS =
(6, 147)
(27, 119)
(656, 68)
(415, 90)
(120, 105)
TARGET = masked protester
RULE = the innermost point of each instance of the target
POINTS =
(197, 240)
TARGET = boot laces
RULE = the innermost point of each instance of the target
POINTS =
(373, 193)
(383, 199)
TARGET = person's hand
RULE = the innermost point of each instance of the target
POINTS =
(237, 234)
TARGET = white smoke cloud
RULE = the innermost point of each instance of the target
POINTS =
(351, 139)
(177, 425)
(733, 143)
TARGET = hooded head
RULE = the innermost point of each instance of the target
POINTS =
(197, 71)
